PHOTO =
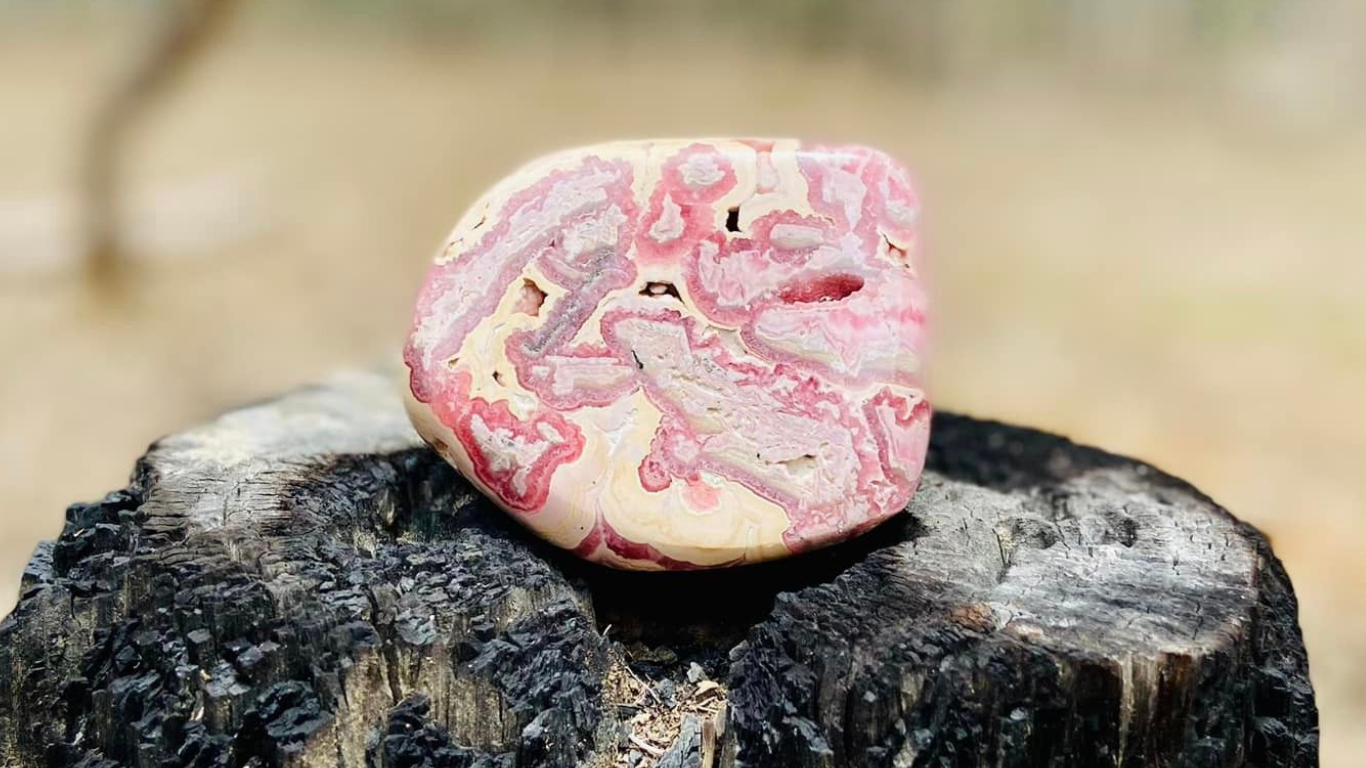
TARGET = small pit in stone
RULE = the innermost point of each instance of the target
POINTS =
(659, 290)
(733, 220)
(497, 377)
(800, 465)
(530, 298)
(897, 254)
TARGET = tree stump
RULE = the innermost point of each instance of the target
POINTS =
(303, 583)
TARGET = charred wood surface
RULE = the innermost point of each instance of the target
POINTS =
(302, 583)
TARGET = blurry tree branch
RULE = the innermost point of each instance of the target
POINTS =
(181, 32)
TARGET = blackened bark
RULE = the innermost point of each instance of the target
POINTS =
(302, 583)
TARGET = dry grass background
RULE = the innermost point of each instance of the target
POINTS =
(1156, 272)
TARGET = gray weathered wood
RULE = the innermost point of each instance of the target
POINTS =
(302, 583)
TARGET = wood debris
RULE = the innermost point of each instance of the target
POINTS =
(654, 711)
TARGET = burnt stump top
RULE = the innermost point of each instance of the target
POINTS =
(302, 582)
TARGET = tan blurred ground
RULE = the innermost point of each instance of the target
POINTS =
(1154, 274)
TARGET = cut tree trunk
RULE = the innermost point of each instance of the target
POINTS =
(303, 583)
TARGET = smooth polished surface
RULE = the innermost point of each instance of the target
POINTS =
(679, 354)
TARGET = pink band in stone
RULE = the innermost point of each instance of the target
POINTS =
(682, 354)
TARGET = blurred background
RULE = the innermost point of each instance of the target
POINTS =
(1145, 217)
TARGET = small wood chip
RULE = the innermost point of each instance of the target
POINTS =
(647, 746)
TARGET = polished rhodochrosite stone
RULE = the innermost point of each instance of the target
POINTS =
(680, 354)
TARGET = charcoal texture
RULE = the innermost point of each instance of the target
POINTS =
(302, 583)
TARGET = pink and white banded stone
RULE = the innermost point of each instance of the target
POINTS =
(682, 354)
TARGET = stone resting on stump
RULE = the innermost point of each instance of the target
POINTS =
(303, 583)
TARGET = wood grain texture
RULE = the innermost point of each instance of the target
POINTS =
(302, 583)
